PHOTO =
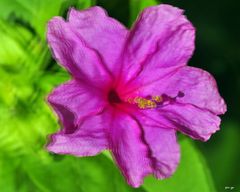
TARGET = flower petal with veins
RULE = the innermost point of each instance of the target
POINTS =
(73, 101)
(140, 150)
(88, 139)
(102, 33)
(161, 37)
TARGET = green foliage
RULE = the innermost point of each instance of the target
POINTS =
(136, 6)
(224, 151)
(36, 13)
(191, 175)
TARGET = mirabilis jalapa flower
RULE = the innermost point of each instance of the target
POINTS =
(131, 90)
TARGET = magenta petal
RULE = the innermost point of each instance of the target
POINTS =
(73, 101)
(102, 33)
(89, 138)
(129, 150)
(71, 51)
(165, 151)
(161, 37)
(140, 149)
(193, 121)
(198, 87)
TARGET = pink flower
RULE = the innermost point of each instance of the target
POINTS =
(131, 89)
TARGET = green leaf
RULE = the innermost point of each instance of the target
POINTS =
(191, 175)
(136, 6)
(36, 13)
(224, 151)
(13, 178)
(6, 176)
(67, 173)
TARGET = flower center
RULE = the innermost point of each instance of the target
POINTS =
(113, 97)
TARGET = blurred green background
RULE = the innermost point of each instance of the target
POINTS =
(28, 73)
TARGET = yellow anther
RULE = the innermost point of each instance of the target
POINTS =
(143, 103)
(138, 99)
(157, 98)
(151, 104)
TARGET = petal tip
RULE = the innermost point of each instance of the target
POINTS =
(208, 136)
(224, 107)
(74, 13)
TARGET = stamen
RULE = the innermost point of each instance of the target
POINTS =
(143, 103)
(157, 98)
(150, 102)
